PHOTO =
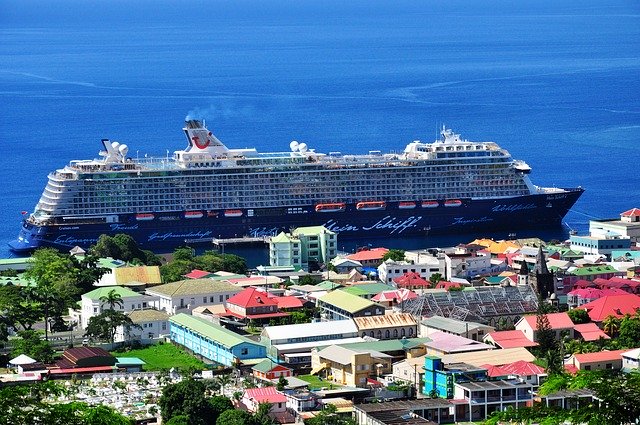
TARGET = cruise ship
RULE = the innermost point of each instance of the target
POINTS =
(209, 191)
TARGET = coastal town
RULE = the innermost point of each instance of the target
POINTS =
(488, 331)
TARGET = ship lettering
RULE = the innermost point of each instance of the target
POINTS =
(70, 240)
(513, 208)
(463, 221)
(389, 222)
(171, 235)
(262, 232)
(119, 227)
(335, 227)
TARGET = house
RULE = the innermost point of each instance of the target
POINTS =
(398, 349)
(509, 339)
(526, 371)
(439, 377)
(394, 298)
(367, 290)
(303, 247)
(340, 305)
(581, 296)
(477, 400)
(267, 370)
(412, 281)
(369, 257)
(411, 371)
(213, 342)
(253, 304)
(597, 361)
(151, 325)
(83, 360)
(612, 305)
(445, 343)
(345, 265)
(185, 295)
(425, 265)
(423, 411)
(198, 274)
(560, 323)
(302, 401)
(628, 225)
(631, 360)
(125, 275)
(599, 244)
(253, 397)
(92, 305)
(589, 332)
(473, 330)
(491, 357)
(293, 343)
(390, 326)
(349, 367)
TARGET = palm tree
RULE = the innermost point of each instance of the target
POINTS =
(611, 325)
(112, 299)
(223, 380)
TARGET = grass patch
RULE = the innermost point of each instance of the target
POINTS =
(163, 356)
(315, 383)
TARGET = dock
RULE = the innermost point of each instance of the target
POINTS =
(230, 241)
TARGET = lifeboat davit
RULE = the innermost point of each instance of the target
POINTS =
(371, 205)
(232, 213)
(430, 204)
(337, 207)
(406, 205)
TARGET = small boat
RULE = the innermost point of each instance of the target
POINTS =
(371, 205)
(337, 207)
(452, 203)
(232, 213)
(193, 214)
(430, 204)
(145, 217)
(406, 205)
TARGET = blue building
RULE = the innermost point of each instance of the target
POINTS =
(441, 377)
(213, 342)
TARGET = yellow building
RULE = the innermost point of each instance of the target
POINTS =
(349, 367)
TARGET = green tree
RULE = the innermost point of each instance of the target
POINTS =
(629, 334)
(329, 416)
(19, 307)
(282, 383)
(179, 420)
(234, 417)
(435, 278)
(105, 325)
(183, 253)
(611, 325)
(31, 344)
(175, 270)
(219, 405)
(578, 316)
(87, 271)
(223, 381)
(261, 417)
(123, 247)
(394, 255)
(112, 299)
(186, 398)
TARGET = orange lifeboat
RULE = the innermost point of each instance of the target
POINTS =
(371, 205)
(406, 205)
(452, 203)
(337, 207)
(193, 214)
(232, 213)
(430, 204)
(145, 217)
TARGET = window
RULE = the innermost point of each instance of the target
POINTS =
(164, 326)
(204, 299)
(387, 334)
(587, 367)
(211, 299)
(244, 351)
(220, 298)
(144, 304)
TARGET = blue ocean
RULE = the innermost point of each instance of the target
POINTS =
(557, 83)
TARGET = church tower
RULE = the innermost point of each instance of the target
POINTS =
(523, 274)
(544, 278)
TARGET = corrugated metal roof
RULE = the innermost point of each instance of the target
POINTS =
(146, 274)
(210, 330)
(389, 320)
(193, 287)
(346, 301)
(317, 329)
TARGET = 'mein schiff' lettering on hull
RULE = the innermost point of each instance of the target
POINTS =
(388, 222)
(513, 208)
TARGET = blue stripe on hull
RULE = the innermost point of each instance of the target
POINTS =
(510, 214)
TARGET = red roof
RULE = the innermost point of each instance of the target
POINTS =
(617, 282)
(582, 283)
(197, 274)
(251, 297)
(288, 302)
(265, 395)
(494, 371)
(511, 339)
(633, 212)
(556, 321)
(444, 284)
(612, 305)
(600, 356)
(255, 316)
(590, 331)
(95, 369)
(401, 294)
(523, 368)
(595, 293)
(411, 279)
(368, 254)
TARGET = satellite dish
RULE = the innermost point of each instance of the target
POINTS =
(123, 150)
(303, 147)
(294, 146)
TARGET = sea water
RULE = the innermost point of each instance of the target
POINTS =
(554, 82)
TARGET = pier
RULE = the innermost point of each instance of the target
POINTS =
(230, 241)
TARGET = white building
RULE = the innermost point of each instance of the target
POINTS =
(599, 243)
(92, 305)
(422, 263)
(302, 246)
(631, 360)
(153, 325)
(466, 265)
(185, 295)
(627, 226)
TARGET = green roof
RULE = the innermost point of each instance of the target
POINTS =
(266, 365)
(387, 345)
(194, 287)
(96, 294)
(346, 301)
(588, 271)
(362, 289)
(280, 238)
(110, 263)
(328, 285)
(311, 230)
(15, 281)
(16, 261)
(130, 361)
(210, 330)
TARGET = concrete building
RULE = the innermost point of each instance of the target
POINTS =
(482, 398)
(627, 226)
(369, 257)
(599, 244)
(304, 245)
(472, 330)
(560, 323)
(212, 341)
(253, 397)
(425, 268)
(185, 295)
(153, 325)
(340, 305)
(601, 360)
(442, 343)
(423, 411)
(439, 378)
(631, 360)
(91, 304)
(390, 326)
(349, 367)
(267, 370)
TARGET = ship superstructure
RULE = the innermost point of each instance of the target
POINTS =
(208, 190)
